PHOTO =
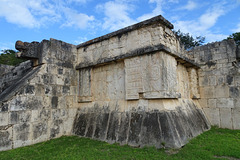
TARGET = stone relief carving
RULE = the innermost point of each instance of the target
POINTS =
(153, 75)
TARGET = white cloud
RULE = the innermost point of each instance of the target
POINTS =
(210, 18)
(27, 13)
(116, 14)
(189, 6)
(80, 40)
(38, 13)
(18, 13)
(237, 29)
(158, 10)
(202, 26)
(75, 19)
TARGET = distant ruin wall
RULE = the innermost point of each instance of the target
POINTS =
(219, 82)
(37, 105)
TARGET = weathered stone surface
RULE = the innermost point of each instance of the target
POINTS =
(140, 128)
(213, 115)
(153, 75)
(3, 119)
(226, 118)
(6, 139)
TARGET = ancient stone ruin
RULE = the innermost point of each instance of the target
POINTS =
(135, 86)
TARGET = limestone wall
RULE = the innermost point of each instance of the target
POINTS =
(135, 88)
(134, 110)
(148, 36)
(4, 69)
(10, 74)
(219, 81)
(40, 107)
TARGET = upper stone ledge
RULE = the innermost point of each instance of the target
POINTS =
(139, 52)
(157, 19)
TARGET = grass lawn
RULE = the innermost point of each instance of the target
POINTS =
(213, 144)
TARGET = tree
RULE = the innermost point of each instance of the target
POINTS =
(188, 41)
(235, 37)
(8, 57)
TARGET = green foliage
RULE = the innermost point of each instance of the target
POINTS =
(213, 144)
(188, 41)
(8, 57)
(235, 37)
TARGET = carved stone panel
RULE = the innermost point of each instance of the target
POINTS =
(85, 85)
(133, 77)
(154, 76)
(194, 92)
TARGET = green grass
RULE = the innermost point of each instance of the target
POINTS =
(213, 144)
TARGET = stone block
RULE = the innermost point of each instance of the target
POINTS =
(207, 92)
(234, 92)
(221, 80)
(221, 91)
(226, 118)
(35, 116)
(230, 79)
(6, 139)
(237, 80)
(72, 112)
(22, 135)
(203, 102)
(236, 118)
(4, 118)
(212, 81)
(213, 115)
(225, 103)
(40, 131)
(212, 103)
(56, 128)
(68, 126)
(59, 114)
(17, 117)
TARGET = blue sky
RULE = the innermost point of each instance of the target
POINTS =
(76, 21)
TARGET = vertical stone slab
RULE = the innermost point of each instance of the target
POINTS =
(236, 118)
(123, 128)
(153, 76)
(150, 131)
(101, 126)
(226, 118)
(80, 124)
(85, 85)
(193, 79)
(91, 125)
(213, 115)
(166, 129)
(178, 123)
(113, 127)
(133, 78)
(135, 128)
